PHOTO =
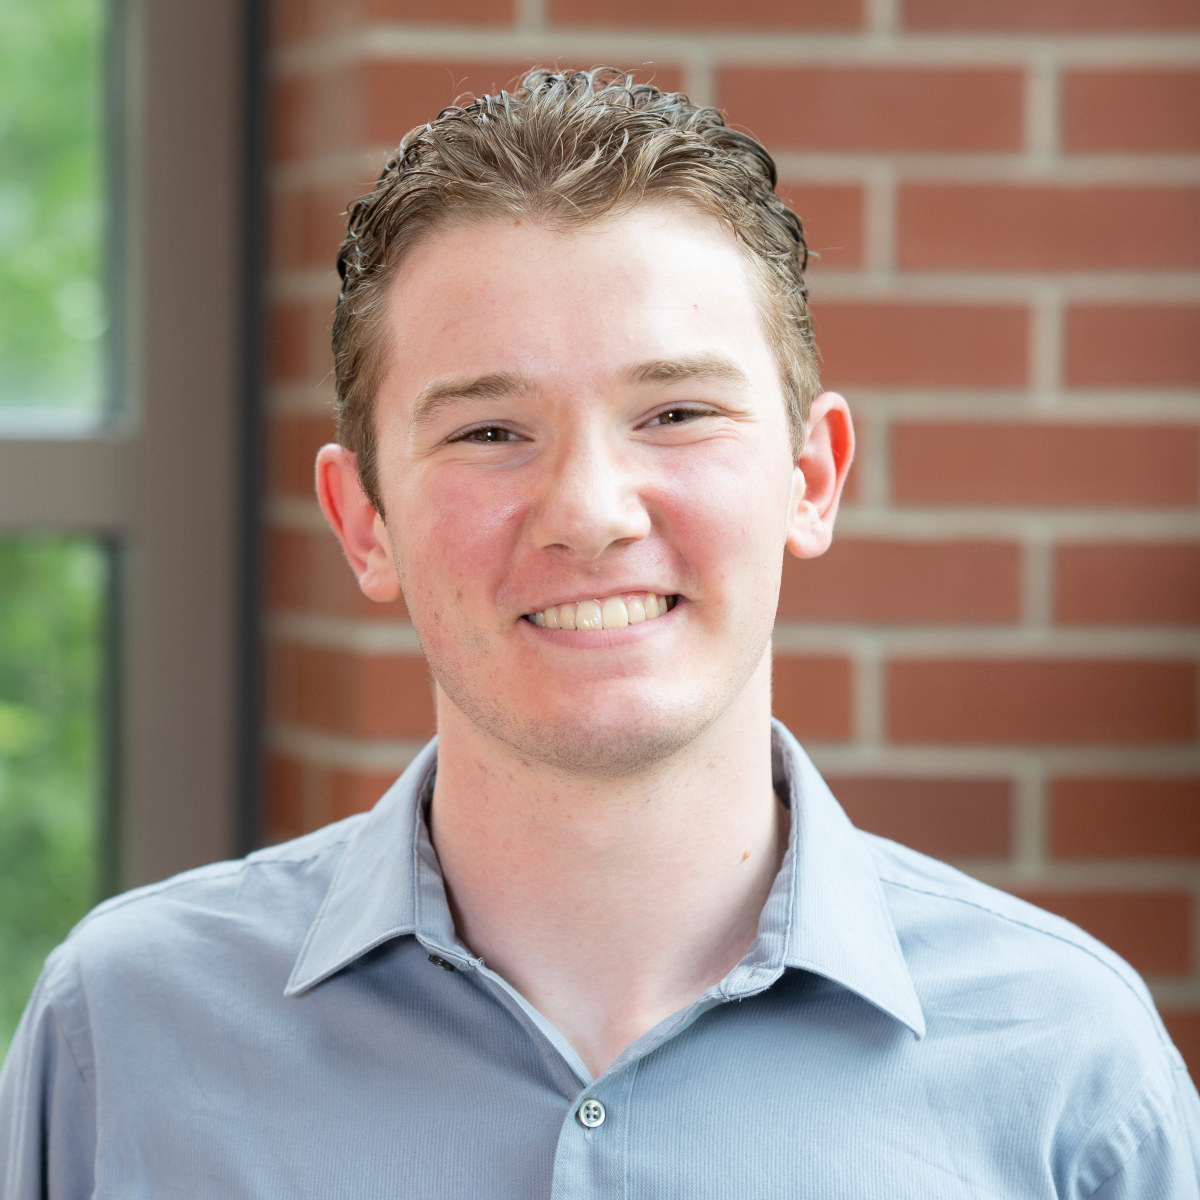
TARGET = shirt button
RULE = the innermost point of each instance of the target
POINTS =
(591, 1113)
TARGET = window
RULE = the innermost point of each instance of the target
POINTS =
(126, 430)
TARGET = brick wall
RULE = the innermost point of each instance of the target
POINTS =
(998, 660)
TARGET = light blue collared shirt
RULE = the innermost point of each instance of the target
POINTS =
(276, 1028)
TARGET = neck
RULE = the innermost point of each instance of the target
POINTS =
(609, 903)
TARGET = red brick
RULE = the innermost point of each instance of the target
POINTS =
(1128, 110)
(287, 355)
(1017, 16)
(357, 695)
(1125, 818)
(353, 792)
(401, 95)
(289, 342)
(314, 114)
(922, 345)
(293, 442)
(307, 227)
(307, 572)
(1133, 345)
(905, 582)
(1044, 464)
(1041, 701)
(1127, 583)
(1022, 228)
(285, 817)
(438, 12)
(291, 20)
(298, 341)
(876, 107)
(948, 818)
(833, 222)
(1151, 930)
(1184, 1027)
(290, 108)
(811, 695)
(303, 796)
(284, 228)
(709, 14)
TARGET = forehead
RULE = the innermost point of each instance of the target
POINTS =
(572, 306)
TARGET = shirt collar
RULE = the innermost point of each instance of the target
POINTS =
(839, 925)
(373, 895)
(826, 912)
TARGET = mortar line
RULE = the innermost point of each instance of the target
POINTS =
(879, 222)
(334, 750)
(530, 15)
(776, 47)
(1037, 590)
(949, 761)
(869, 696)
(1030, 818)
(881, 18)
(1045, 345)
(699, 76)
(1042, 105)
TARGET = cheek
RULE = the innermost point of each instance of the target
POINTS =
(456, 534)
(729, 512)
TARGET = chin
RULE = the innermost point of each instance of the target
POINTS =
(629, 739)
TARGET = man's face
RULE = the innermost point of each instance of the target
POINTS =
(580, 421)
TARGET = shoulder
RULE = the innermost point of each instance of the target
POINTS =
(1039, 1015)
(942, 915)
(203, 922)
(191, 961)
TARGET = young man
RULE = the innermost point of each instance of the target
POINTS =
(610, 935)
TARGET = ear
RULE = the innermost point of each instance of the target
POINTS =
(358, 526)
(820, 476)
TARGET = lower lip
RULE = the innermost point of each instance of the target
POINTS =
(602, 639)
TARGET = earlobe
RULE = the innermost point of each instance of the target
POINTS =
(358, 526)
(820, 476)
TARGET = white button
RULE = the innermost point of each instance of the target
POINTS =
(591, 1113)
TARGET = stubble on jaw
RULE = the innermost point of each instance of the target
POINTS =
(585, 747)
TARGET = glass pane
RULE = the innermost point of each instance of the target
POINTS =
(53, 312)
(52, 623)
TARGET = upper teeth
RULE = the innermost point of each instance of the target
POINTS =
(614, 613)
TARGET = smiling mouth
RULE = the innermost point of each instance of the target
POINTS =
(613, 613)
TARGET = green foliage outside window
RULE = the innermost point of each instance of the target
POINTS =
(52, 318)
(52, 308)
(51, 615)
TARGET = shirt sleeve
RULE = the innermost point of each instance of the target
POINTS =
(47, 1115)
(1167, 1162)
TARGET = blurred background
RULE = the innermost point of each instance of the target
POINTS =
(997, 663)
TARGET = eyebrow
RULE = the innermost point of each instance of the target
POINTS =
(443, 393)
(695, 366)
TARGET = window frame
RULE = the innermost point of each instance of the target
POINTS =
(169, 480)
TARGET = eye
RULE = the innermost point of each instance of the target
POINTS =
(679, 415)
(488, 435)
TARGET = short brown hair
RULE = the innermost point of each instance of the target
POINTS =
(564, 148)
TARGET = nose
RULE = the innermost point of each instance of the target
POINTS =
(590, 499)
